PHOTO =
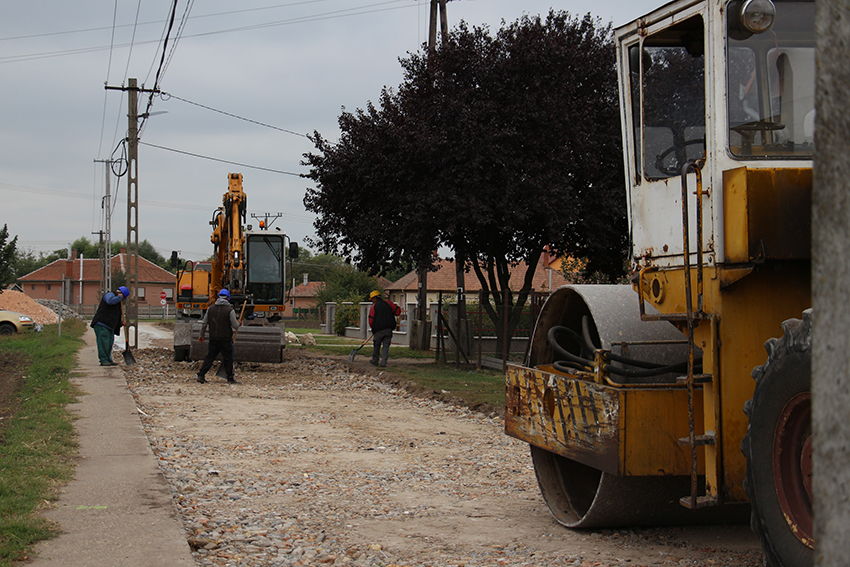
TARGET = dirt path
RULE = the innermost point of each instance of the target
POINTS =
(310, 463)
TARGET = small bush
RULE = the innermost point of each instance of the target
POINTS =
(347, 315)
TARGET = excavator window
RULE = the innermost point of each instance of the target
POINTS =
(671, 74)
(265, 268)
(770, 84)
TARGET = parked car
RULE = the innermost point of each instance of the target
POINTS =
(11, 322)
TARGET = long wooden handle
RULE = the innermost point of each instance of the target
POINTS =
(126, 331)
(241, 313)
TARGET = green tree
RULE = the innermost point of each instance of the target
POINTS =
(27, 261)
(8, 252)
(344, 283)
(495, 146)
(90, 249)
(317, 267)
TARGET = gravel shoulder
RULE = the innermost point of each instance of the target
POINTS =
(310, 462)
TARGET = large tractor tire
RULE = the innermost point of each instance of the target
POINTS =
(778, 448)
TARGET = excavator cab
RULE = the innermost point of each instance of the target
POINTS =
(266, 272)
(655, 402)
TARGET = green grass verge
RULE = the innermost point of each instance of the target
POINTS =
(483, 386)
(472, 386)
(39, 438)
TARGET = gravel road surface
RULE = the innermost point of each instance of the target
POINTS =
(313, 463)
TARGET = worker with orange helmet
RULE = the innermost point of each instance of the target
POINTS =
(382, 321)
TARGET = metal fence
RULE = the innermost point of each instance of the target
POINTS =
(167, 311)
(474, 342)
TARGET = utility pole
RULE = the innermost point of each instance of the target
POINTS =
(421, 331)
(132, 210)
(132, 311)
(831, 287)
(106, 233)
(424, 334)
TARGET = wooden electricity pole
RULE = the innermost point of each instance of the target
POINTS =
(424, 331)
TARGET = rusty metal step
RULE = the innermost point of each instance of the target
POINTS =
(698, 378)
(702, 502)
(708, 439)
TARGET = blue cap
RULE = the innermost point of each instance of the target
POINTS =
(224, 293)
(124, 291)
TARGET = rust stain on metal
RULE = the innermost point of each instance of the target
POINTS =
(574, 418)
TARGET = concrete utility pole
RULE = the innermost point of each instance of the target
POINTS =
(106, 233)
(831, 286)
(132, 311)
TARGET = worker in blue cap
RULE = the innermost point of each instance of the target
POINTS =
(107, 323)
(222, 321)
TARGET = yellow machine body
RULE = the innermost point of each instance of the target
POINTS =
(250, 265)
(717, 149)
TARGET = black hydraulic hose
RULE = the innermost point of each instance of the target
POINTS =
(648, 369)
(563, 353)
(567, 367)
(678, 367)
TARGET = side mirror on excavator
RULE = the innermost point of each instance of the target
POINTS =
(293, 250)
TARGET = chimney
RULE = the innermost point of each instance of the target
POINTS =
(306, 278)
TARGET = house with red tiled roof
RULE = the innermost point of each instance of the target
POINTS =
(82, 279)
(304, 297)
(444, 280)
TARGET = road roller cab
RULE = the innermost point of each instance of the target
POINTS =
(639, 402)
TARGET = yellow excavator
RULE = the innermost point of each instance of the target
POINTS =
(248, 263)
(685, 396)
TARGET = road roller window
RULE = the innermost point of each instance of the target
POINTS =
(672, 72)
(770, 79)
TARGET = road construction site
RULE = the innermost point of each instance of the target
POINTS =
(319, 461)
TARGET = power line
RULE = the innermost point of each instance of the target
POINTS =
(108, 71)
(161, 65)
(220, 160)
(199, 16)
(166, 96)
(305, 19)
(147, 203)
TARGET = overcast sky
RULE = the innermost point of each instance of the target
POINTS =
(288, 64)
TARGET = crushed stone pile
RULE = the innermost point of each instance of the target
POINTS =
(12, 300)
(67, 312)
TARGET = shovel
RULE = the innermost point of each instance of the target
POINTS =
(128, 356)
(354, 351)
(221, 372)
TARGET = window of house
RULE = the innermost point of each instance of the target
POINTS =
(169, 292)
(140, 292)
(49, 287)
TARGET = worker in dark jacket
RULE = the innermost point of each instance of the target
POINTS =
(222, 321)
(382, 321)
(107, 323)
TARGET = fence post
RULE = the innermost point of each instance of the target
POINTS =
(330, 316)
(480, 326)
(364, 318)
(505, 332)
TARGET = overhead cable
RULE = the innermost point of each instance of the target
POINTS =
(220, 160)
(301, 20)
(165, 96)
